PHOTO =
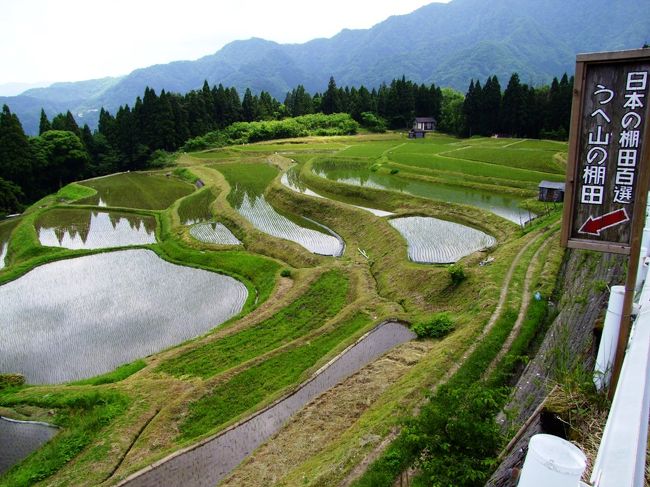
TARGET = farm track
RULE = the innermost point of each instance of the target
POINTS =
(374, 454)
(210, 460)
(523, 308)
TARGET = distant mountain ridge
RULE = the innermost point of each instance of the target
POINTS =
(447, 44)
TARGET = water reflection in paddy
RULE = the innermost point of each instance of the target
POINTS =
(505, 206)
(88, 229)
(291, 180)
(434, 241)
(77, 318)
(248, 182)
(6, 227)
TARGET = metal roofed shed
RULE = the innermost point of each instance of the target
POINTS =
(551, 191)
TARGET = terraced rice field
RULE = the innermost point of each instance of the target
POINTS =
(88, 229)
(214, 233)
(290, 180)
(81, 317)
(74, 316)
(136, 190)
(505, 206)
(433, 241)
(196, 207)
(248, 199)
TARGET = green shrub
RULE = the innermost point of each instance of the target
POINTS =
(160, 158)
(249, 132)
(372, 122)
(11, 380)
(285, 273)
(457, 274)
(394, 171)
(439, 326)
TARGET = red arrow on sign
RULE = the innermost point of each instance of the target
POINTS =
(593, 226)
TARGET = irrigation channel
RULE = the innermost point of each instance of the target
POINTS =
(80, 317)
(18, 439)
(210, 460)
(503, 205)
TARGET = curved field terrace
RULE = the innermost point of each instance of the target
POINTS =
(214, 233)
(434, 241)
(86, 316)
(87, 229)
(506, 206)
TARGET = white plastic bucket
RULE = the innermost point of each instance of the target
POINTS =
(552, 461)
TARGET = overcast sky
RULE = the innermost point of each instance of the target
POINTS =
(72, 40)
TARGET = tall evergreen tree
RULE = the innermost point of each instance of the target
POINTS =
(331, 102)
(472, 108)
(44, 124)
(249, 106)
(513, 110)
(15, 152)
(491, 106)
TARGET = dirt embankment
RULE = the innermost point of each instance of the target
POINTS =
(583, 284)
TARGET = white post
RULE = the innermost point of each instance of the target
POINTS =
(609, 338)
(642, 270)
(645, 239)
(552, 461)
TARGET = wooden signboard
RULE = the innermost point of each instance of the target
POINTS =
(607, 173)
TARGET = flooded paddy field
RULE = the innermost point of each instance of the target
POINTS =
(89, 229)
(248, 182)
(504, 205)
(81, 317)
(434, 241)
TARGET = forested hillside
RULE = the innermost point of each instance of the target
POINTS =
(445, 44)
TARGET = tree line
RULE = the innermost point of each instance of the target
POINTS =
(143, 135)
(520, 111)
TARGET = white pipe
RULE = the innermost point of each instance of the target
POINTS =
(642, 270)
(645, 240)
(609, 338)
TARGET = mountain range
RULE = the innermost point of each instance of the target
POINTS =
(446, 44)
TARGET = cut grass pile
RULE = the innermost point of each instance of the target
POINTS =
(251, 387)
(323, 300)
(137, 190)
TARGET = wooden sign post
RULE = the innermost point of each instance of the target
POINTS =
(607, 172)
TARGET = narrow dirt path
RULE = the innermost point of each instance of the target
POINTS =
(523, 309)
(374, 454)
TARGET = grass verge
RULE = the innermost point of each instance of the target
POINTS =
(324, 299)
(249, 388)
